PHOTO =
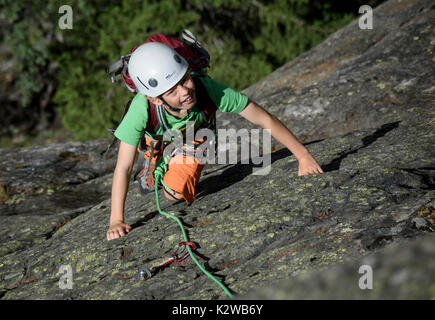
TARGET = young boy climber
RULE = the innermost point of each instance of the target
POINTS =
(162, 77)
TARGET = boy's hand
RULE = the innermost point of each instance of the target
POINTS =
(117, 230)
(307, 165)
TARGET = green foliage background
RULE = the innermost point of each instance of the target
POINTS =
(246, 39)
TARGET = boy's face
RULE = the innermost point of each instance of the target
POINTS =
(182, 95)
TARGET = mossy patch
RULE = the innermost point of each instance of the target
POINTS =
(67, 155)
(428, 213)
(4, 196)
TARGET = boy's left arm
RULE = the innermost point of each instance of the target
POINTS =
(258, 116)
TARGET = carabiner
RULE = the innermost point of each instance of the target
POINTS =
(145, 274)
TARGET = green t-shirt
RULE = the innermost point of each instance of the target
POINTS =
(132, 127)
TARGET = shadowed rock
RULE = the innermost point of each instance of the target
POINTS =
(401, 271)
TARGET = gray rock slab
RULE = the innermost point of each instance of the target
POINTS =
(363, 102)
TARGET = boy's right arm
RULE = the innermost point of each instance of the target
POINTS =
(124, 166)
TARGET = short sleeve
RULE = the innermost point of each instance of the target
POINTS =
(225, 98)
(131, 128)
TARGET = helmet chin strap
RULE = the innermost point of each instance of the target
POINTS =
(169, 106)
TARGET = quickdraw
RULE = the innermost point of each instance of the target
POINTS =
(158, 174)
(179, 254)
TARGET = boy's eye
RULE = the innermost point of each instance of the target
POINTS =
(182, 82)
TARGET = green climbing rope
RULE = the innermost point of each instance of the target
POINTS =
(158, 176)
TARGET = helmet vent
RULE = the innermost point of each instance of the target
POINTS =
(142, 83)
(153, 82)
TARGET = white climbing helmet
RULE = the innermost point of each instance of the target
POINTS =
(155, 68)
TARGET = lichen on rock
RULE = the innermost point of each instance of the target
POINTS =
(375, 147)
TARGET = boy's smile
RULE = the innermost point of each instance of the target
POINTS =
(189, 100)
(182, 95)
(180, 98)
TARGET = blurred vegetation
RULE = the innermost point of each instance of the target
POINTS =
(60, 75)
